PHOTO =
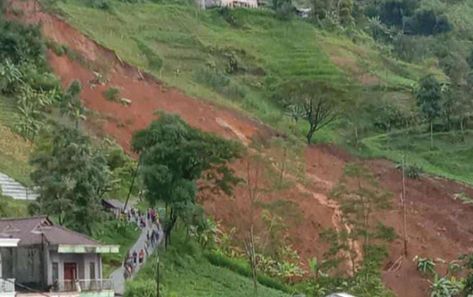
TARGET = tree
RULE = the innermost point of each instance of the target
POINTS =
(429, 96)
(71, 105)
(315, 102)
(320, 9)
(345, 8)
(174, 158)
(71, 178)
(283, 8)
(360, 196)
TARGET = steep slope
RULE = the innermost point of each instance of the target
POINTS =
(438, 225)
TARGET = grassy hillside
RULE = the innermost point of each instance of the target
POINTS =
(14, 150)
(185, 272)
(450, 158)
(194, 50)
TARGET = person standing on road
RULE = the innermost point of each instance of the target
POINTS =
(141, 256)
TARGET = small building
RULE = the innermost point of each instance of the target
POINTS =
(228, 3)
(114, 206)
(40, 258)
(303, 12)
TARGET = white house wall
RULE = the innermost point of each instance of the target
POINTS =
(82, 261)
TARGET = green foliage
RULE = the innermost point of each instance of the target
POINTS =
(317, 103)
(445, 287)
(121, 233)
(112, 94)
(11, 208)
(71, 177)
(425, 265)
(140, 289)
(429, 96)
(21, 44)
(71, 105)
(174, 156)
(242, 267)
(360, 201)
(186, 271)
(385, 233)
(154, 60)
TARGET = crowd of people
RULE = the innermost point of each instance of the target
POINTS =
(149, 223)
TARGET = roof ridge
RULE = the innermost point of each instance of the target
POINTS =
(76, 233)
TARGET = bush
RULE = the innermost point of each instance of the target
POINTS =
(21, 44)
(412, 171)
(154, 61)
(244, 270)
(427, 22)
(219, 82)
(101, 4)
(140, 288)
(112, 94)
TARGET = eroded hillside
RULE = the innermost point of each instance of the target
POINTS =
(437, 224)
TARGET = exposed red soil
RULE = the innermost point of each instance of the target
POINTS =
(438, 226)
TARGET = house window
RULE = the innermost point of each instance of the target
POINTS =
(92, 270)
(55, 271)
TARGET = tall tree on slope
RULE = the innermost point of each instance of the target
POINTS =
(174, 158)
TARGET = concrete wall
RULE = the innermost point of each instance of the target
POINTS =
(29, 266)
(7, 256)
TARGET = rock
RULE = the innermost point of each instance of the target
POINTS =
(125, 101)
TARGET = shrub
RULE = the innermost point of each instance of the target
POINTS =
(154, 61)
(427, 22)
(412, 171)
(385, 232)
(112, 94)
(140, 288)
(425, 265)
(101, 4)
(219, 82)
(58, 49)
(244, 270)
(21, 44)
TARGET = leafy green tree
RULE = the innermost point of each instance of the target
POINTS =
(71, 106)
(71, 177)
(345, 9)
(174, 158)
(21, 44)
(318, 103)
(429, 97)
(320, 9)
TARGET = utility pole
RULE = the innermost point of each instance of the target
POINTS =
(132, 183)
(157, 274)
(403, 202)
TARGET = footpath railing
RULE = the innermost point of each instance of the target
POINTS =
(82, 285)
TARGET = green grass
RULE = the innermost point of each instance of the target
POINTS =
(186, 272)
(114, 232)
(14, 150)
(450, 158)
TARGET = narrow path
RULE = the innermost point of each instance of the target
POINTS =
(117, 276)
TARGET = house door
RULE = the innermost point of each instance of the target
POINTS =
(70, 275)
